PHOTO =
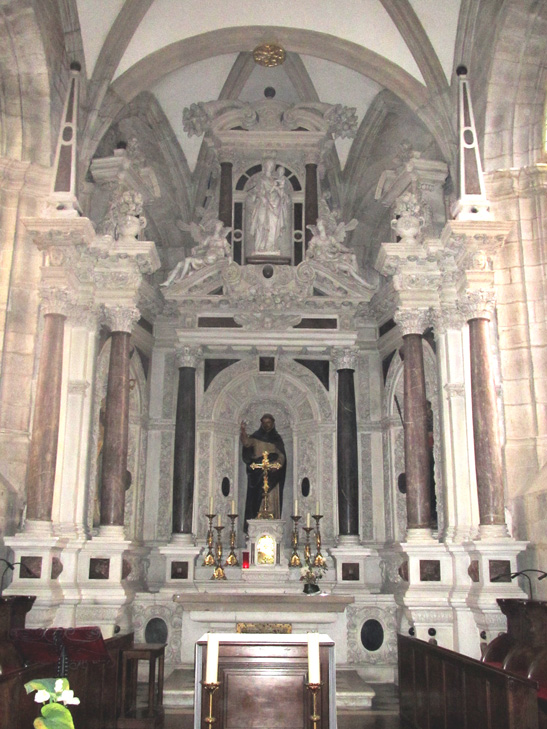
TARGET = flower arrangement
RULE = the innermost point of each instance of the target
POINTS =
(309, 574)
(54, 693)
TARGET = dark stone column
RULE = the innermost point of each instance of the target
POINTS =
(348, 469)
(225, 194)
(45, 428)
(116, 427)
(486, 437)
(311, 203)
(418, 478)
(185, 443)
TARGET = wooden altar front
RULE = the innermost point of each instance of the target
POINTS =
(263, 682)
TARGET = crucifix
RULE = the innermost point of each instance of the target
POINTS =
(265, 466)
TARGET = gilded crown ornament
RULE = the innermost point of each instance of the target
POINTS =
(269, 55)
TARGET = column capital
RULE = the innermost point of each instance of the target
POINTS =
(447, 317)
(345, 359)
(55, 301)
(477, 304)
(120, 318)
(188, 356)
(412, 321)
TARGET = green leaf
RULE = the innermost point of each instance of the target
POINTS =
(41, 684)
(55, 716)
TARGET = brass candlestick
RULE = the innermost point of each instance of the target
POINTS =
(210, 688)
(307, 547)
(218, 573)
(295, 560)
(315, 688)
(231, 560)
(319, 560)
(209, 559)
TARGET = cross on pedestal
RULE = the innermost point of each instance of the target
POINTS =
(265, 466)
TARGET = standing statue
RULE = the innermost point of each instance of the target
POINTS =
(266, 438)
(212, 247)
(326, 247)
(269, 209)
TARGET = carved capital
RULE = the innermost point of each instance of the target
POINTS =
(449, 317)
(412, 321)
(119, 318)
(478, 304)
(188, 356)
(345, 359)
(55, 301)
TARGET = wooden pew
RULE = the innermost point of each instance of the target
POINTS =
(441, 689)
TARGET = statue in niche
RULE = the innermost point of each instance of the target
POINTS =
(326, 246)
(268, 206)
(212, 247)
(266, 438)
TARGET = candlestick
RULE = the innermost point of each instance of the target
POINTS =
(231, 560)
(211, 668)
(314, 689)
(209, 558)
(294, 560)
(210, 688)
(218, 573)
(319, 560)
(314, 669)
(307, 548)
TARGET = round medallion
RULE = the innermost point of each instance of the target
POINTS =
(269, 55)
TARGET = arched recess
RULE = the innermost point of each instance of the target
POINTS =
(517, 87)
(136, 457)
(394, 455)
(144, 74)
(304, 414)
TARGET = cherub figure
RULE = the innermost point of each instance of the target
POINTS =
(212, 247)
(326, 246)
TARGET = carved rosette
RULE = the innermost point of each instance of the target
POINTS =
(188, 356)
(345, 359)
(478, 304)
(55, 301)
(120, 318)
(412, 321)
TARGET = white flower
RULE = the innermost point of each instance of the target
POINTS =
(67, 697)
(41, 696)
(58, 685)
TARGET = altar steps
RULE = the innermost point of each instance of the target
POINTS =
(352, 693)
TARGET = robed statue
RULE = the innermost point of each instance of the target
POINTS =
(266, 438)
(268, 206)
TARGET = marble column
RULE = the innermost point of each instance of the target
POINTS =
(225, 194)
(45, 428)
(417, 470)
(116, 429)
(311, 203)
(479, 306)
(347, 461)
(185, 442)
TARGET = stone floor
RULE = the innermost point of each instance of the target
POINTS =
(383, 714)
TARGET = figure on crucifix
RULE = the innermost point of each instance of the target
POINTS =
(266, 438)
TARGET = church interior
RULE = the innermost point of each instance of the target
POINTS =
(273, 348)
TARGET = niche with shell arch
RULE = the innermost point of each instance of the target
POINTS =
(136, 455)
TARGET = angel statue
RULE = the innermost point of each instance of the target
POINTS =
(326, 246)
(212, 247)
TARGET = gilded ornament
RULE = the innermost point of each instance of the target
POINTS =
(269, 55)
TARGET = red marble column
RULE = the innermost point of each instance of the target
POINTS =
(45, 428)
(225, 194)
(486, 437)
(116, 428)
(347, 463)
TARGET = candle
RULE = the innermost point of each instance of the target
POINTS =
(308, 519)
(211, 669)
(233, 507)
(219, 523)
(317, 512)
(210, 505)
(314, 670)
(296, 507)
